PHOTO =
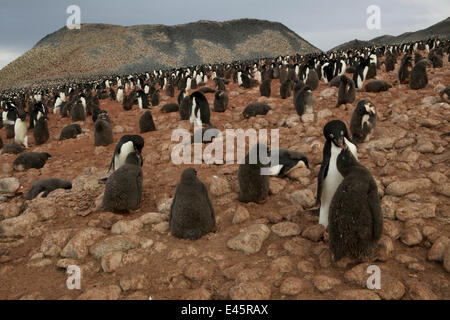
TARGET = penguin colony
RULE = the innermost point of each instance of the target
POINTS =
(348, 202)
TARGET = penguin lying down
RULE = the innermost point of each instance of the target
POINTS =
(288, 160)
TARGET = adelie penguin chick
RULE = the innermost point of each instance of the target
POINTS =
(12, 148)
(445, 94)
(146, 123)
(419, 79)
(363, 122)
(356, 221)
(288, 160)
(30, 160)
(123, 190)
(46, 186)
(77, 112)
(40, 131)
(329, 178)
(285, 89)
(126, 145)
(103, 135)
(264, 88)
(377, 86)
(253, 182)
(220, 101)
(347, 91)
(304, 101)
(191, 213)
(256, 108)
(405, 69)
(20, 130)
(70, 132)
(170, 107)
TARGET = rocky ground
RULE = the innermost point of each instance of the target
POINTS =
(274, 250)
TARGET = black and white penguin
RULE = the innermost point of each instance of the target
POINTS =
(45, 186)
(146, 123)
(265, 88)
(37, 112)
(419, 79)
(20, 130)
(127, 144)
(363, 122)
(142, 99)
(287, 161)
(256, 108)
(191, 213)
(9, 116)
(254, 185)
(377, 86)
(356, 220)
(199, 109)
(119, 95)
(70, 132)
(123, 190)
(372, 71)
(304, 101)
(329, 178)
(347, 91)
(40, 131)
(361, 72)
(31, 160)
(220, 101)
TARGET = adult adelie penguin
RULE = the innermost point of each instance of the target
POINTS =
(254, 186)
(123, 190)
(329, 178)
(146, 123)
(127, 144)
(199, 109)
(20, 130)
(191, 213)
(361, 72)
(356, 221)
(220, 101)
(363, 122)
(347, 90)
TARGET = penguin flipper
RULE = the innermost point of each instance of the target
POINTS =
(205, 191)
(321, 177)
(377, 216)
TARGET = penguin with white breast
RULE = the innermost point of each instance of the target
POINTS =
(20, 130)
(37, 112)
(361, 72)
(199, 109)
(119, 95)
(9, 119)
(126, 145)
(329, 178)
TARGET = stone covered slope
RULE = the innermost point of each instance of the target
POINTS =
(134, 257)
(106, 49)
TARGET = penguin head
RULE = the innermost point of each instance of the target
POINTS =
(366, 107)
(345, 161)
(23, 116)
(335, 131)
(189, 175)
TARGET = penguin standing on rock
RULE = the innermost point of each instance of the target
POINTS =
(123, 190)
(191, 213)
(363, 122)
(329, 178)
(127, 144)
(347, 91)
(356, 221)
(254, 185)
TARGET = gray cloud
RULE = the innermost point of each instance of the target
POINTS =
(323, 23)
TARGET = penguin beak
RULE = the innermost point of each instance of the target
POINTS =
(339, 142)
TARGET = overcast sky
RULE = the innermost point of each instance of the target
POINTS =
(325, 24)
